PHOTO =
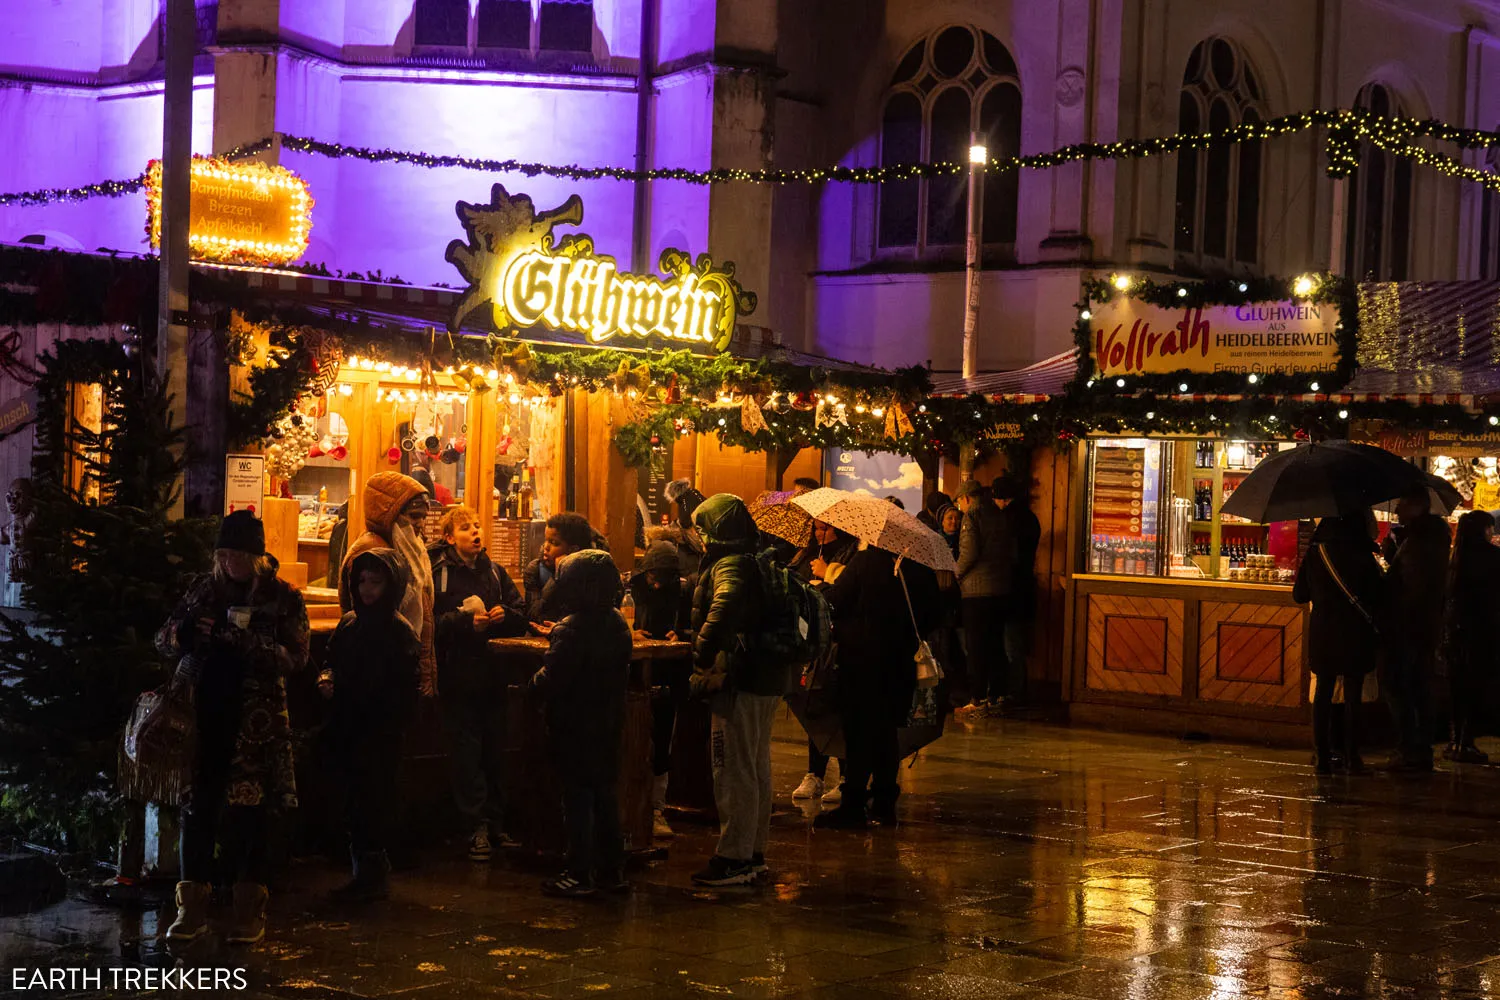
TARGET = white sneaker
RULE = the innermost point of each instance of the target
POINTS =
(811, 787)
(660, 828)
(835, 795)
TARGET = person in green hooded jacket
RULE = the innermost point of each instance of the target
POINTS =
(744, 686)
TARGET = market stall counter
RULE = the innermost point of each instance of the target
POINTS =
(534, 792)
(1182, 617)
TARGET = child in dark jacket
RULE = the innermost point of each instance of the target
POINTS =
(370, 674)
(663, 610)
(583, 679)
(474, 601)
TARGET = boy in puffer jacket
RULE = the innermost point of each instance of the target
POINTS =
(583, 680)
(370, 674)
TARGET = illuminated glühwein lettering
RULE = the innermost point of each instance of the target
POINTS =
(588, 295)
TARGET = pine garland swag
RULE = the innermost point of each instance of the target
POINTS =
(99, 577)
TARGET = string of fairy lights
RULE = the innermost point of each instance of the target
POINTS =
(1347, 129)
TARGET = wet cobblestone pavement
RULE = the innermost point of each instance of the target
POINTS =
(1033, 861)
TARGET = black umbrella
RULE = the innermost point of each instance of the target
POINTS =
(1322, 480)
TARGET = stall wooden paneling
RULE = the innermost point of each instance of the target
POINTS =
(1181, 656)
(727, 469)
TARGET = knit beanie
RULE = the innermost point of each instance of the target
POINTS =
(242, 531)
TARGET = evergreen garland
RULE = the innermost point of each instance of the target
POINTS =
(100, 575)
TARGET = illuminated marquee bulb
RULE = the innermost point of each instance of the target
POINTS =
(1304, 286)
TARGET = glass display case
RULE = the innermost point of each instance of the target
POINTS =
(1155, 510)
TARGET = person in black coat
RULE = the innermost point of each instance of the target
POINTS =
(474, 601)
(1416, 550)
(877, 641)
(1470, 619)
(583, 679)
(1342, 640)
(371, 671)
(1014, 497)
(663, 610)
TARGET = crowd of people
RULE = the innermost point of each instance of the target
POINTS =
(417, 620)
(1402, 631)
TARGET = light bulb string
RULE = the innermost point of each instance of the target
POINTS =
(1347, 128)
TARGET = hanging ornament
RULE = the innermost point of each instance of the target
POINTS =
(324, 356)
(830, 414)
(804, 401)
(338, 453)
(751, 420)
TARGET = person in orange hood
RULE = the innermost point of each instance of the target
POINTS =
(395, 509)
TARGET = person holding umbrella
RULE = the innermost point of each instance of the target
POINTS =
(882, 607)
(884, 603)
(1342, 581)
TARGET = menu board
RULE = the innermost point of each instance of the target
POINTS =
(1119, 490)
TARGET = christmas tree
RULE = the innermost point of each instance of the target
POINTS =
(103, 562)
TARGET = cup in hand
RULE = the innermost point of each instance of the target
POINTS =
(240, 615)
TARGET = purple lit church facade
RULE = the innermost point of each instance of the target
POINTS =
(865, 273)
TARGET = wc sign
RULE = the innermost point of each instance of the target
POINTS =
(244, 483)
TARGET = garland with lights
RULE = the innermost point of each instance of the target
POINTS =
(1323, 288)
(1347, 128)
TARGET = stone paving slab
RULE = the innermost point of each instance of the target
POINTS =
(1033, 861)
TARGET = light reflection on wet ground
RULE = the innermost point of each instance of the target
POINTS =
(1035, 862)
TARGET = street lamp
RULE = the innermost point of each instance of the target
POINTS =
(979, 157)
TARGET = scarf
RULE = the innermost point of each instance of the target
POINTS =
(417, 600)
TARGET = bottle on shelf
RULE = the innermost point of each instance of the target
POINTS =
(513, 500)
(528, 494)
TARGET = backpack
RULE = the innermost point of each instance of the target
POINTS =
(797, 627)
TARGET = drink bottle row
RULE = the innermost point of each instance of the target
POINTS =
(1123, 555)
(1232, 555)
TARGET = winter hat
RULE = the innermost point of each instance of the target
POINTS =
(661, 555)
(675, 489)
(723, 519)
(242, 531)
(969, 488)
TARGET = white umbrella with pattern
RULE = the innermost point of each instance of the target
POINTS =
(880, 524)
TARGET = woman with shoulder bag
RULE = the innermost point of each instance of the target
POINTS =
(1341, 579)
(882, 608)
(236, 634)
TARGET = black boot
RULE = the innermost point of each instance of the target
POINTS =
(1322, 737)
(371, 881)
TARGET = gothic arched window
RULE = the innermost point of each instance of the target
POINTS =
(956, 81)
(1218, 188)
(1377, 218)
